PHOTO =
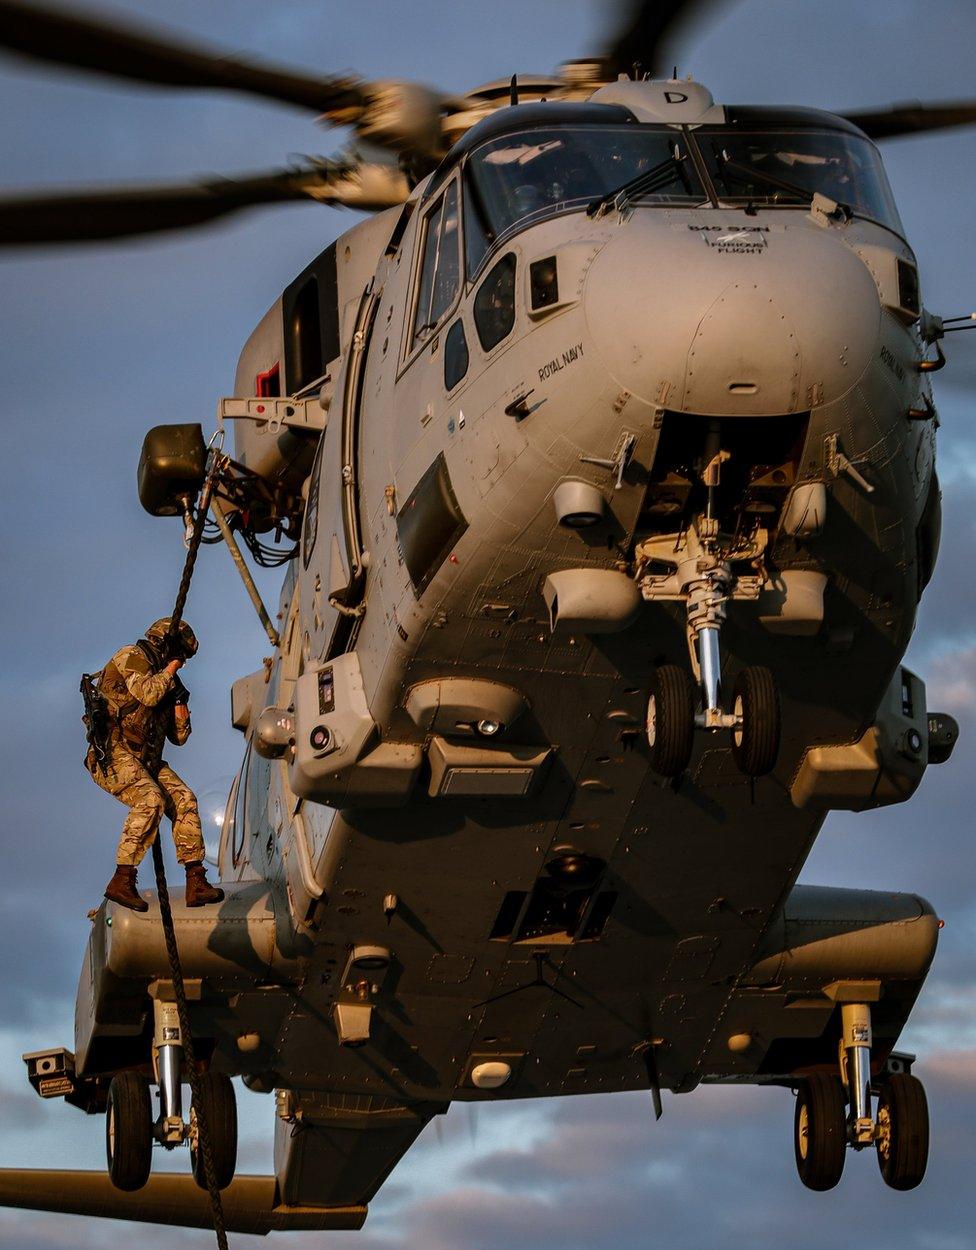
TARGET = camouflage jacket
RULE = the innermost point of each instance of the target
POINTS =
(139, 695)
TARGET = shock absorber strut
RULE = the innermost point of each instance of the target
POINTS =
(707, 599)
(168, 1044)
(856, 1028)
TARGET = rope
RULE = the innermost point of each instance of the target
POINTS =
(204, 1140)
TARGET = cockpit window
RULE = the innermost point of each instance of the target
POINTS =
(787, 167)
(441, 270)
(522, 177)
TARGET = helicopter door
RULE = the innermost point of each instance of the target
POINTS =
(334, 558)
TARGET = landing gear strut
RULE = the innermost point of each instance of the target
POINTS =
(826, 1123)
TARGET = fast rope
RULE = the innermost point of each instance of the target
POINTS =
(204, 1140)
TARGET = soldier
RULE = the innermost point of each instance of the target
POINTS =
(143, 695)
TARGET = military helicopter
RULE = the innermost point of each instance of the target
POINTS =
(601, 463)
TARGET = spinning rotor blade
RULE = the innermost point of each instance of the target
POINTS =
(649, 28)
(913, 118)
(86, 216)
(124, 52)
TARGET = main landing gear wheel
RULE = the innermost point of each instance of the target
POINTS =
(128, 1131)
(220, 1109)
(903, 1131)
(670, 720)
(820, 1131)
(755, 743)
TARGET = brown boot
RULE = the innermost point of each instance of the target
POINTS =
(122, 889)
(199, 891)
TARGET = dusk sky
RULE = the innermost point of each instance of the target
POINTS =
(100, 342)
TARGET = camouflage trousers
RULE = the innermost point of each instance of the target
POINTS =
(148, 800)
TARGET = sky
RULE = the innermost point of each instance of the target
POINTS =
(99, 343)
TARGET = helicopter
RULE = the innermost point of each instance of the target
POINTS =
(595, 606)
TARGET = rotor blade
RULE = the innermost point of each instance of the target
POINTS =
(649, 28)
(249, 1201)
(127, 52)
(913, 118)
(86, 216)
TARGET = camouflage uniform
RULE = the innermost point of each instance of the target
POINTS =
(139, 697)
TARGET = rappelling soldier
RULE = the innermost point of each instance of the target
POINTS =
(142, 699)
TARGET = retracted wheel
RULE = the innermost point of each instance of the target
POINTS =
(755, 740)
(128, 1131)
(820, 1131)
(670, 720)
(903, 1131)
(220, 1111)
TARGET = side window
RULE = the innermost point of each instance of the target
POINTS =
(455, 356)
(440, 272)
(477, 237)
(494, 305)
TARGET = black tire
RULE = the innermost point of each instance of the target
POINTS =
(755, 744)
(129, 1131)
(903, 1131)
(670, 724)
(820, 1131)
(220, 1110)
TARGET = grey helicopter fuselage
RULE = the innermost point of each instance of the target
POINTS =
(460, 789)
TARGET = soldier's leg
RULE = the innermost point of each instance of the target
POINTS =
(181, 807)
(128, 781)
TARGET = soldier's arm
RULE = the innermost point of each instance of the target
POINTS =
(143, 684)
(178, 727)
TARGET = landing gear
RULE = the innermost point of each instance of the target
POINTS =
(129, 1127)
(754, 721)
(711, 514)
(820, 1131)
(670, 720)
(903, 1131)
(755, 706)
(220, 1111)
(129, 1131)
(834, 1112)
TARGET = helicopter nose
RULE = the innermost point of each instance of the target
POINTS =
(760, 321)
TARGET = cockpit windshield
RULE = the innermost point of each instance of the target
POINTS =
(515, 179)
(786, 168)
(524, 176)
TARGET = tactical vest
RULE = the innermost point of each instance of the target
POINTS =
(131, 720)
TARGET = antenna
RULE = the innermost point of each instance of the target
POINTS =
(513, 91)
(969, 320)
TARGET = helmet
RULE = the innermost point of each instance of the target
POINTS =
(158, 632)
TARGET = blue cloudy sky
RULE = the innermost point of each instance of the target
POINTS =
(98, 344)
